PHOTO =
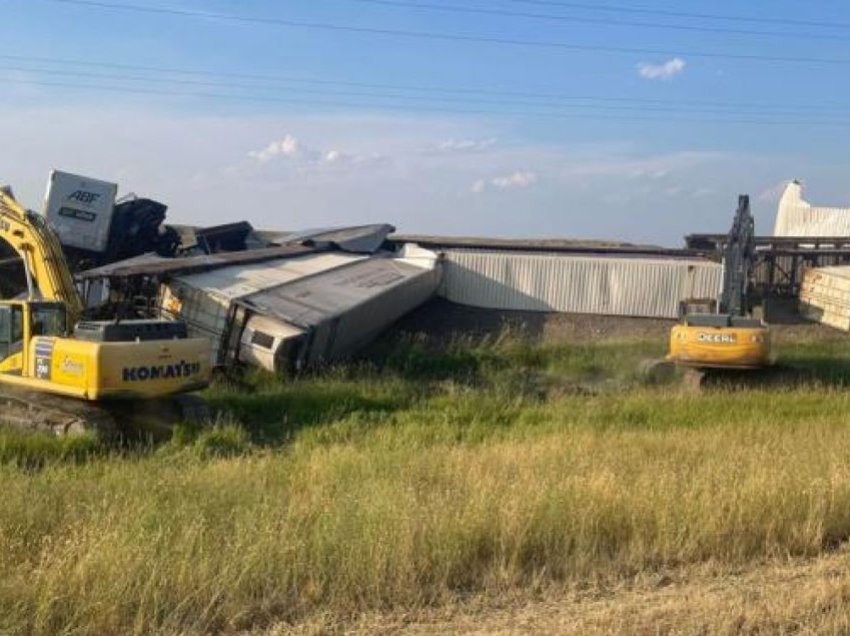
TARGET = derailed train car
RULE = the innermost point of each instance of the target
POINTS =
(291, 313)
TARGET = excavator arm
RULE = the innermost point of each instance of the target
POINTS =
(738, 258)
(47, 273)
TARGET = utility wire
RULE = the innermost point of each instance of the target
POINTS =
(601, 21)
(428, 90)
(431, 35)
(795, 22)
(657, 106)
(419, 98)
(667, 119)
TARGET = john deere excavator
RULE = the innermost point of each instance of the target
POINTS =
(731, 338)
(62, 374)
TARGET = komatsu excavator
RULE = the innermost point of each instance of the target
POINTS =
(732, 338)
(63, 375)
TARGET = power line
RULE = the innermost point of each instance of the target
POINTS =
(667, 119)
(721, 110)
(428, 89)
(430, 35)
(795, 22)
(601, 21)
(641, 106)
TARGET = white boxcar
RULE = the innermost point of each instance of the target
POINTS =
(204, 300)
(80, 209)
(286, 314)
(570, 283)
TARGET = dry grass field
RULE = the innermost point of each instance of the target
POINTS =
(479, 484)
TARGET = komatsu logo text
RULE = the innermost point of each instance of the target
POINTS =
(180, 369)
(717, 338)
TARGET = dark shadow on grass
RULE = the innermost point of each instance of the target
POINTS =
(785, 374)
(272, 418)
(441, 321)
(417, 362)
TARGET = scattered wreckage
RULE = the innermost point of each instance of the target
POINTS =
(314, 299)
(280, 301)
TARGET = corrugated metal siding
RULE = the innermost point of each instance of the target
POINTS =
(309, 301)
(570, 284)
(236, 282)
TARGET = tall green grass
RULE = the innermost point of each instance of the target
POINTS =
(416, 479)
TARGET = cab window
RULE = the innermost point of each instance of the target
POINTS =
(17, 324)
(48, 320)
(11, 330)
(5, 330)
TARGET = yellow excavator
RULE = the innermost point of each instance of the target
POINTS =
(62, 374)
(732, 338)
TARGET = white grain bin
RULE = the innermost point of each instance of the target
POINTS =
(797, 217)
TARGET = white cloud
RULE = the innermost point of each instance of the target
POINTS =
(466, 145)
(289, 146)
(516, 180)
(332, 156)
(664, 71)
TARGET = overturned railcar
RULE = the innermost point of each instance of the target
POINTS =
(296, 312)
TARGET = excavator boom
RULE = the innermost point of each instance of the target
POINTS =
(738, 258)
(48, 276)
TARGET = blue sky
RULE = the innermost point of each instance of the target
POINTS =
(291, 119)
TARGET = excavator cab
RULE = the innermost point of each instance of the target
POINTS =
(20, 321)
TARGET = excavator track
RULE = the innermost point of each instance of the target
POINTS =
(131, 419)
(43, 413)
(154, 419)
